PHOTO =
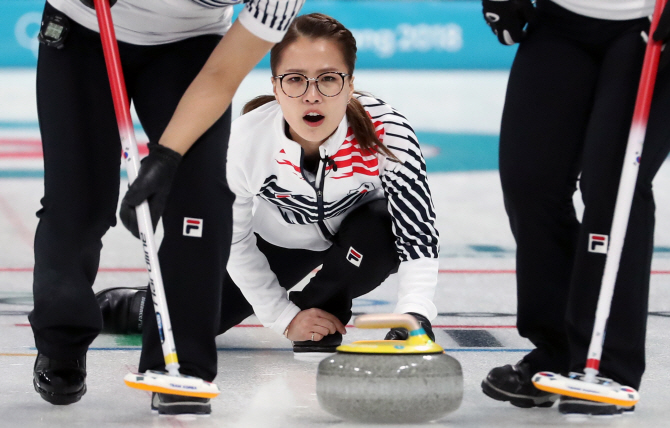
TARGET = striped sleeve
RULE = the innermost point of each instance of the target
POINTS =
(269, 19)
(405, 184)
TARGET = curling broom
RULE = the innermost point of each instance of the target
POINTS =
(173, 382)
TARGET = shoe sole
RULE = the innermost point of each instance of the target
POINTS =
(522, 401)
(181, 408)
(589, 409)
(59, 399)
(177, 412)
(184, 409)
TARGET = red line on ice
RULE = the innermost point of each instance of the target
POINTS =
(20, 142)
(20, 155)
(37, 144)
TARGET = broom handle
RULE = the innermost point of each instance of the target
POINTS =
(131, 155)
(625, 194)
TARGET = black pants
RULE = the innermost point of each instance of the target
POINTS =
(568, 112)
(81, 166)
(367, 229)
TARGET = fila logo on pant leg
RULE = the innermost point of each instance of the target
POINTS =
(354, 257)
(598, 243)
(193, 227)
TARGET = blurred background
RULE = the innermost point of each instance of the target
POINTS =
(435, 61)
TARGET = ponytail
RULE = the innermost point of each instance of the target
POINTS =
(257, 102)
(364, 130)
(359, 120)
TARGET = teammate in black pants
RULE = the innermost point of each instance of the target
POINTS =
(322, 176)
(163, 48)
(567, 114)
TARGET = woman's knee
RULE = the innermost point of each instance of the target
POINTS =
(369, 222)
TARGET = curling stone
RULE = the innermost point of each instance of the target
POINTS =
(390, 381)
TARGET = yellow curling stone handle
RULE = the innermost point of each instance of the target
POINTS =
(387, 321)
(417, 343)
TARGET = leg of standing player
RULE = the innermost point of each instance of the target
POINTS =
(192, 261)
(81, 186)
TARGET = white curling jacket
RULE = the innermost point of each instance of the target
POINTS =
(616, 10)
(275, 200)
(155, 22)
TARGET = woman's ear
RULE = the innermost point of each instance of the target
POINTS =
(351, 86)
(274, 87)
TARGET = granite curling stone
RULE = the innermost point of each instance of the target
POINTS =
(390, 381)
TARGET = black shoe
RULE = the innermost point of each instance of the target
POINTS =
(60, 382)
(513, 383)
(169, 404)
(312, 350)
(122, 309)
(401, 333)
(577, 406)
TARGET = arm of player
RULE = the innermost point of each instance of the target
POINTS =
(205, 100)
(208, 97)
(405, 184)
(247, 265)
(211, 92)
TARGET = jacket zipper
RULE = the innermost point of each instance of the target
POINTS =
(318, 189)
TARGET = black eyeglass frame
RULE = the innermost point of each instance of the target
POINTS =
(308, 79)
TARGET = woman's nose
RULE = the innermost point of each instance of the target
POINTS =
(312, 95)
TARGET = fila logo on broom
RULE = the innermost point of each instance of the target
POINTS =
(193, 227)
(598, 243)
(354, 257)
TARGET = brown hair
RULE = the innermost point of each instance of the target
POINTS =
(314, 26)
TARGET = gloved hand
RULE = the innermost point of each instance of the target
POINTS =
(507, 18)
(401, 333)
(153, 183)
(662, 34)
(90, 4)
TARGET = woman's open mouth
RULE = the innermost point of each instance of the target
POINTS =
(313, 119)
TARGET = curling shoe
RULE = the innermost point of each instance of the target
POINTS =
(122, 309)
(169, 404)
(60, 381)
(513, 383)
(401, 333)
(577, 406)
(312, 350)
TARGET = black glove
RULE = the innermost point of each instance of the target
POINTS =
(401, 333)
(507, 18)
(662, 34)
(90, 4)
(153, 183)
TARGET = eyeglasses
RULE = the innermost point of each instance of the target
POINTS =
(295, 85)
